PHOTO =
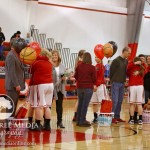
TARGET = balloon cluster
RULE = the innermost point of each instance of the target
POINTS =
(107, 50)
(29, 54)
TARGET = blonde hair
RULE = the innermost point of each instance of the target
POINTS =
(46, 52)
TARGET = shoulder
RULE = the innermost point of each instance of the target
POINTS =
(61, 66)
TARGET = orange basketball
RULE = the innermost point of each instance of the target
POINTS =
(28, 55)
(108, 50)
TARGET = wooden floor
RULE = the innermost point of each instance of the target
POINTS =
(115, 137)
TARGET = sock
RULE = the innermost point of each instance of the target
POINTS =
(140, 117)
(135, 115)
(30, 119)
(46, 122)
(131, 118)
(38, 122)
(95, 115)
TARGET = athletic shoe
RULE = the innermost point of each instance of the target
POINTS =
(120, 120)
(131, 122)
(74, 119)
(94, 121)
(140, 122)
(114, 120)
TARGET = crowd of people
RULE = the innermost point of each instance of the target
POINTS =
(48, 80)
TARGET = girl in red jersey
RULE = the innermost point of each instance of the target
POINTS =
(136, 71)
(41, 90)
(100, 93)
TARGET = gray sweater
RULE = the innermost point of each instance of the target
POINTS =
(59, 86)
(118, 70)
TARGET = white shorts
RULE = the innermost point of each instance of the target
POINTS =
(136, 94)
(99, 94)
(41, 95)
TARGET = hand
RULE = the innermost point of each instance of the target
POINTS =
(18, 88)
(138, 63)
(63, 78)
(95, 88)
(135, 73)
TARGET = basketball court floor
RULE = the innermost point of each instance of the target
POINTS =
(116, 137)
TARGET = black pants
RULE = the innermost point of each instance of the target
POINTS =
(14, 95)
(59, 107)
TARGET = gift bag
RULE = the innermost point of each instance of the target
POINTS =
(106, 105)
(22, 111)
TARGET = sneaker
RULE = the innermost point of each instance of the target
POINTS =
(94, 121)
(140, 122)
(74, 119)
(131, 122)
(120, 120)
(114, 120)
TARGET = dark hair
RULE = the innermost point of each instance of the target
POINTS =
(141, 55)
(125, 49)
(141, 66)
(18, 32)
(18, 44)
(87, 58)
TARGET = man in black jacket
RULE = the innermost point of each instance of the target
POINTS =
(117, 78)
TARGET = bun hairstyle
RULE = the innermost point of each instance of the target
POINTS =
(141, 66)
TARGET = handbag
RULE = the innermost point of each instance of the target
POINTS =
(106, 104)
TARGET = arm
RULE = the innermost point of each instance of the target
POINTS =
(12, 71)
(130, 67)
(94, 75)
(113, 68)
(76, 74)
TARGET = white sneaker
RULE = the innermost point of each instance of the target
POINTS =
(131, 121)
(140, 122)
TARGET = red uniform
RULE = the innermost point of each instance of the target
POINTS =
(100, 70)
(135, 79)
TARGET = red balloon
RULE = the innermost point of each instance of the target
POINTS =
(36, 47)
(98, 50)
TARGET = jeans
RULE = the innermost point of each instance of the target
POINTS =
(117, 92)
(84, 96)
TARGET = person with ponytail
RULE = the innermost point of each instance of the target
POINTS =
(136, 72)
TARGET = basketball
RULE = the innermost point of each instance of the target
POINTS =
(28, 55)
(108, 50)
(114, 45)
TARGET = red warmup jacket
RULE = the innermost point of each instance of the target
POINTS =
(135, 80)
(41, 71)
(100, 70)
